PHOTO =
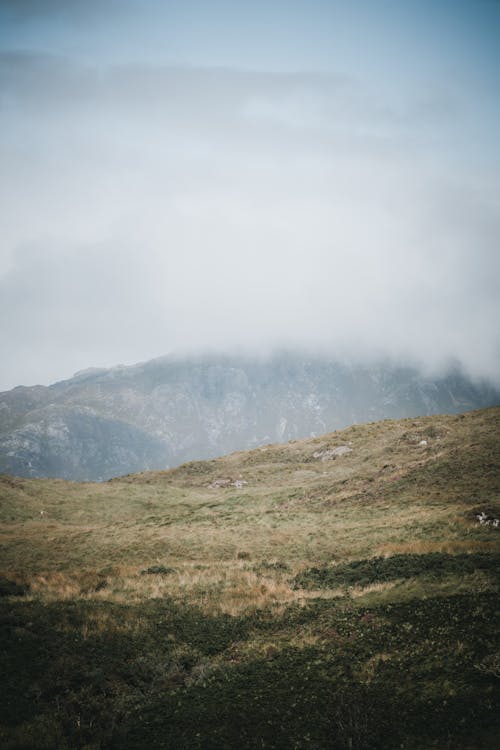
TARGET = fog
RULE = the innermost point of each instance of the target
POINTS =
(189, 202)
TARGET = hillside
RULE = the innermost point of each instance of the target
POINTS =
(336, 592)
(105, 423)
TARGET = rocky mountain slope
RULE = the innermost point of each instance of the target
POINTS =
(107, 422)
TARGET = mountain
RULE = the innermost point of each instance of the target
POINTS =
(108, 422)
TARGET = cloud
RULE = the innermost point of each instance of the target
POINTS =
(152, 208)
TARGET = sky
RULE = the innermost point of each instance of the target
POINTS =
(196, 176)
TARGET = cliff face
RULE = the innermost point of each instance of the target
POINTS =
(75, 442)
(103, 423)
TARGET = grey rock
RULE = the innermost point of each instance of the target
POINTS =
(329, 454)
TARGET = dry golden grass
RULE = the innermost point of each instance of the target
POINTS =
(219, 587)
(388, 496)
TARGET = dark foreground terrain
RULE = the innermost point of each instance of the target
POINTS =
(335, 593)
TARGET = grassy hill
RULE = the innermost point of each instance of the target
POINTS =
(337, 592)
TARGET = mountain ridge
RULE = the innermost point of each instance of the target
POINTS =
(107, 422)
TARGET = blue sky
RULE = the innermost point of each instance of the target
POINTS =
(221, 175)
(393, 38)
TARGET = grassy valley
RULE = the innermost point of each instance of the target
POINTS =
(338, 592)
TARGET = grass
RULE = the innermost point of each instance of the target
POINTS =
(346, 603)
(433, 565)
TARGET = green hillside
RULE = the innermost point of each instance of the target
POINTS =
(338, 592)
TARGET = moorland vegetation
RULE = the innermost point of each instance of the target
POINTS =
(319, 599)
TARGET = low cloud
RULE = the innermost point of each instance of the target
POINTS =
(150, 209)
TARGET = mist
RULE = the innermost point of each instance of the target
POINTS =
(177, 204)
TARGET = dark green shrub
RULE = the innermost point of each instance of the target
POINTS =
(158, 570)
(10, 588)
(379, 569)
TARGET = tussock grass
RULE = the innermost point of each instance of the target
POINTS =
(220, 587)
